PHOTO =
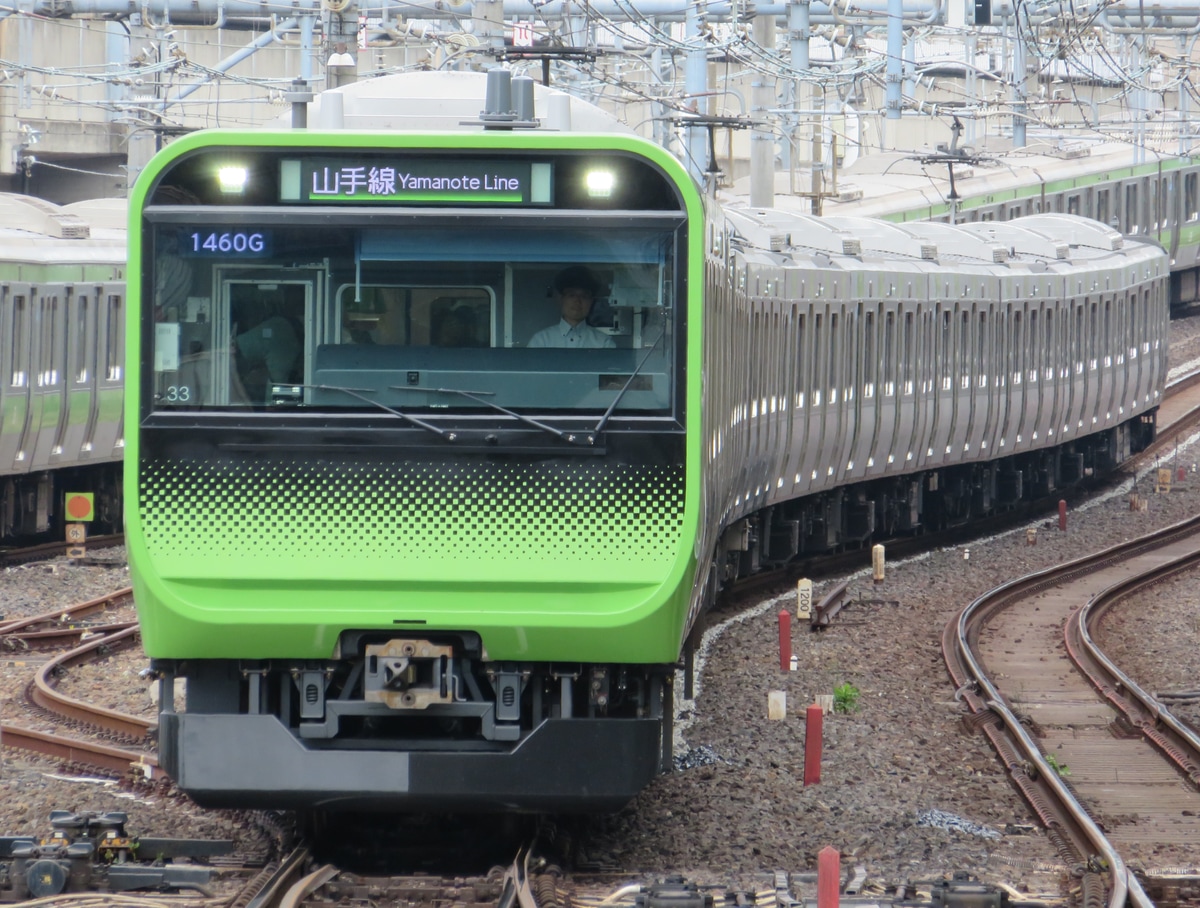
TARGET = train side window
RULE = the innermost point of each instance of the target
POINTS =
(82, 339)
(1191, 211)
(909, 367)
(983, 356)
(945, 343)
(1102, 206)
(803, 359)
(889, 355)
(19, 351)
(1016, 364)
(869, 355)
(1073, 206)
(1048, 349)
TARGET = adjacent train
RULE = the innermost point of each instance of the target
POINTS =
(406, 557)
(62, 359)
(1137, 191)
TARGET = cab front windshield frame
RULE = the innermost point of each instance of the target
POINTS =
(355, 312)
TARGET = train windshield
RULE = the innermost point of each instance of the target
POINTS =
(527, 314)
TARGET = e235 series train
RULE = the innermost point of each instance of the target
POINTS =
(62, 358)
(408, 556)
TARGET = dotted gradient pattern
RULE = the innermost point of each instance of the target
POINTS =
(364, 510)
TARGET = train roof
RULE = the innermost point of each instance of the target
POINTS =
(892, 183)
(1050, 243)
(446, 101)
(102, 214)
(36, 231)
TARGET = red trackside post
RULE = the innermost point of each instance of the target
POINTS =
(785, 639)
(829, 877)
(814, 729)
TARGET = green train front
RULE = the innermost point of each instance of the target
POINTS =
(403, 559)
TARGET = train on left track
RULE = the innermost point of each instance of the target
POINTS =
(408, 553)
(62, 362)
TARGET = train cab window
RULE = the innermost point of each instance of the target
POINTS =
(438, 316)
(415, 319)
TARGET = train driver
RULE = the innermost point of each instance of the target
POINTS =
(575, 289)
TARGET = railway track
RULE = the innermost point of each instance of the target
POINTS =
(91, 635)
(44, 550)
(1104, 767)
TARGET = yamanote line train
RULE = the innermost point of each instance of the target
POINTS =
(429, 563)
(408, 553)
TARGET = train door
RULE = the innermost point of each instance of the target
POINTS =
(874, 406)
(1048, 387)
(79, 414)
(888, 390)
(48, 397)
(797, 464)
(864, 379)
(839, 429)
(1124, 358)
(1107, 361)
(16, 355)
(1089, 346)
(1074, 360)
(107, 432)
(967, 417)
(262, 348)
(940, 406)
(1001, 349)
(983, 395)
(1016, 379)
(812, 467)
(912, 411)
(1173, 206)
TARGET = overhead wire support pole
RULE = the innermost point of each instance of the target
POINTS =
(799, 35)
(1020, 67)
(895, 58)
(696, 90)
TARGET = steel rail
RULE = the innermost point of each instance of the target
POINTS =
(1156, 723)
(102, 756)
(120, 599)
(1050, 799)
(44, 694)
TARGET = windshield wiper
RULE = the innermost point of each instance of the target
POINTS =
(477, 396)
(359, 393)
(629, 381)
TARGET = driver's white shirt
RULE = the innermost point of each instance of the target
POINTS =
(582, 336)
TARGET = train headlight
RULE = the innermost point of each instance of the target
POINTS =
(232, 179)
(600, 183)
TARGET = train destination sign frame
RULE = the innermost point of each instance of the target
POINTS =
(418, 180)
